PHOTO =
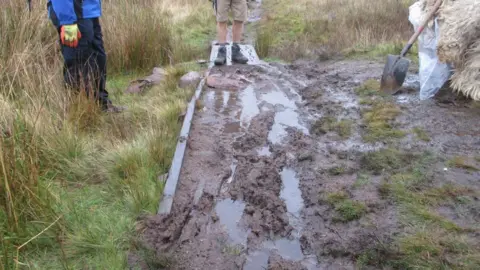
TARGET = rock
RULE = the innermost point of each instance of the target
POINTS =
(139, 86)
(305, 156)
(202, 62)
(192, 78)
(215, 217)
(218, 82)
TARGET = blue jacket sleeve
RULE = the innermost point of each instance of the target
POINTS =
(65, 11)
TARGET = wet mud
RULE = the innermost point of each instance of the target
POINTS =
(254, 189)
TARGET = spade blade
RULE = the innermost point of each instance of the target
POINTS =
(394, 74)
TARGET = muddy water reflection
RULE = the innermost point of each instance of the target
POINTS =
(257, 260)
(230, 212)
(291, 193)
(249, 104)
(264, 151)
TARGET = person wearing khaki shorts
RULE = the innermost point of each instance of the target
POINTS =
(239, 10)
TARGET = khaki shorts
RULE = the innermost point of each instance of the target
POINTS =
(238, 7)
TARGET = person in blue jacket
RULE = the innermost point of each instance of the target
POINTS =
(81, 38)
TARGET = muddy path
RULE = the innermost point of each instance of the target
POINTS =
(267, 161)
(250, 191)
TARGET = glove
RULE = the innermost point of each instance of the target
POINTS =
(69, 35)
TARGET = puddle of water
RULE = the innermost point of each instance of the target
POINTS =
(291, 193)
(289, 249)
(284, 119)
(264, 151)
(277, 97)
(233, 168)
(249, 105)
(230, 212)
(257, 260)
(210, 98)
(232, 127)
(226, 98)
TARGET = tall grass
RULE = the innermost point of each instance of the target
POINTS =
(74, 180)
(308, 28)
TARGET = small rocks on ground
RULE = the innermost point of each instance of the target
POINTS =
(140, 85)
(190, 79)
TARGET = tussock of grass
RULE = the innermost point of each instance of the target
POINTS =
(462, 163)
(421, 134)
(330, 124)
(349, 210)
(344, 128)
(346, 209)
(263, 41)
(362, 180)
(387, 159)
(64, 165)
(336, 197)
(337, 170)
(379, 114)
(379, 122)
(369, 88)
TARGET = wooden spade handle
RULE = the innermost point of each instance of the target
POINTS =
(420, 29)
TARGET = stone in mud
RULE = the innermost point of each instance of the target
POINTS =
(215, 217)
(139, 86)
(218, 81)
(305, 156)
(191, 79)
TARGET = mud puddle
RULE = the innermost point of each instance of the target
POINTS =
(230, 213)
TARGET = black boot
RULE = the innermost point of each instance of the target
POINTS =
(221, 56)
(237, 55)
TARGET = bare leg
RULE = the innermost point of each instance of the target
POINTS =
(237, 31)
(222, 32)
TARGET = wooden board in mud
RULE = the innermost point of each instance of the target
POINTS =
(175, 168)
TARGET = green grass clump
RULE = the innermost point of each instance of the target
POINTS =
(362, 180)
(379, 114)
(330, 124)
(337, 170)
(345, 208)
(370, 87)
(349, 210)
(344, 128)
(385, 160)
(421, 134)
(379, 121)
(462, 163)
(336, 197)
